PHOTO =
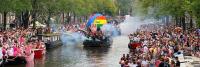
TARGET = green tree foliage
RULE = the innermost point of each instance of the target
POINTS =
(196, 10)
(44, 9)
(15, 5)
(80, 7)
(124, 6)
(175, 8)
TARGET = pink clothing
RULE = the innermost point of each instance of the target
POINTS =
(28, 50)
(19, 52)
(15, 51)
(157, 63)
(21, 40)
(30, 60)
(170, 53)
(3, 51)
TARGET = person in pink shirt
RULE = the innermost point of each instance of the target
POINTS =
(29, 55)
(4, 51)
(15, 50)
(4, 57)
(157, 62)
(21, 40)
(28, 50)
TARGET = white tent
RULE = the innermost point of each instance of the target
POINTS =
(38, 24)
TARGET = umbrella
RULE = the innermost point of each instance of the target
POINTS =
(38, 24)
(97, 20)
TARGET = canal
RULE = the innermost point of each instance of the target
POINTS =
(78, 56)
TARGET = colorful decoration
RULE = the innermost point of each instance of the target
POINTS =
(97, 20)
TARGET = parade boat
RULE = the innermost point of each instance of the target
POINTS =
(106, 42)
(94, 34)
(51, 40)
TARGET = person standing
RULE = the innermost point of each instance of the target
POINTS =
(172, 64)
(122, 62)
(177, 62)
(4, 51)
(29, 55)
(164, 63)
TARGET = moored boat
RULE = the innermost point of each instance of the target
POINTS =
(51, 40)
(14, 60)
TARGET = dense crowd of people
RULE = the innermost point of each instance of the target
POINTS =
(156, 45)
(19, 43)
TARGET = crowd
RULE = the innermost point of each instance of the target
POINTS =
(156, 45)
(18, 43)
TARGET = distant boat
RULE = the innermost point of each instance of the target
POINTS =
(52, 40)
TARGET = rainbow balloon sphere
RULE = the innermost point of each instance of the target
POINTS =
(97, 20)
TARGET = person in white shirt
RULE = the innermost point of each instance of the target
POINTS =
(145, 49)
(1, 39)
(134, 64)
(145, 42)
(1, 55)
(10, 52)
(145, 62)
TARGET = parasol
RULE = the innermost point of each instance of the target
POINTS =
(38, 24)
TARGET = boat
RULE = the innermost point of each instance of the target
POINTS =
(94, 34)
(38, 53)
(51, 40)
(106, 42)
(12, 60)
(94, 41)
(134, 45)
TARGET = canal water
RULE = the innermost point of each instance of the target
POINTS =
(78, 56)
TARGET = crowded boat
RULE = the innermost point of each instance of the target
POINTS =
(18, 46)
(96, 36)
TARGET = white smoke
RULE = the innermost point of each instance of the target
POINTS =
(67, 37)
(131, 24)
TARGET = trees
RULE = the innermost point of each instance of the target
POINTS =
(175, 8)
(125, 6)
(196, 10)
(5, 6)
(44, 9)
(16, 6)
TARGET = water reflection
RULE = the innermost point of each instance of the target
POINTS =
(96, 55)
(96, 51)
